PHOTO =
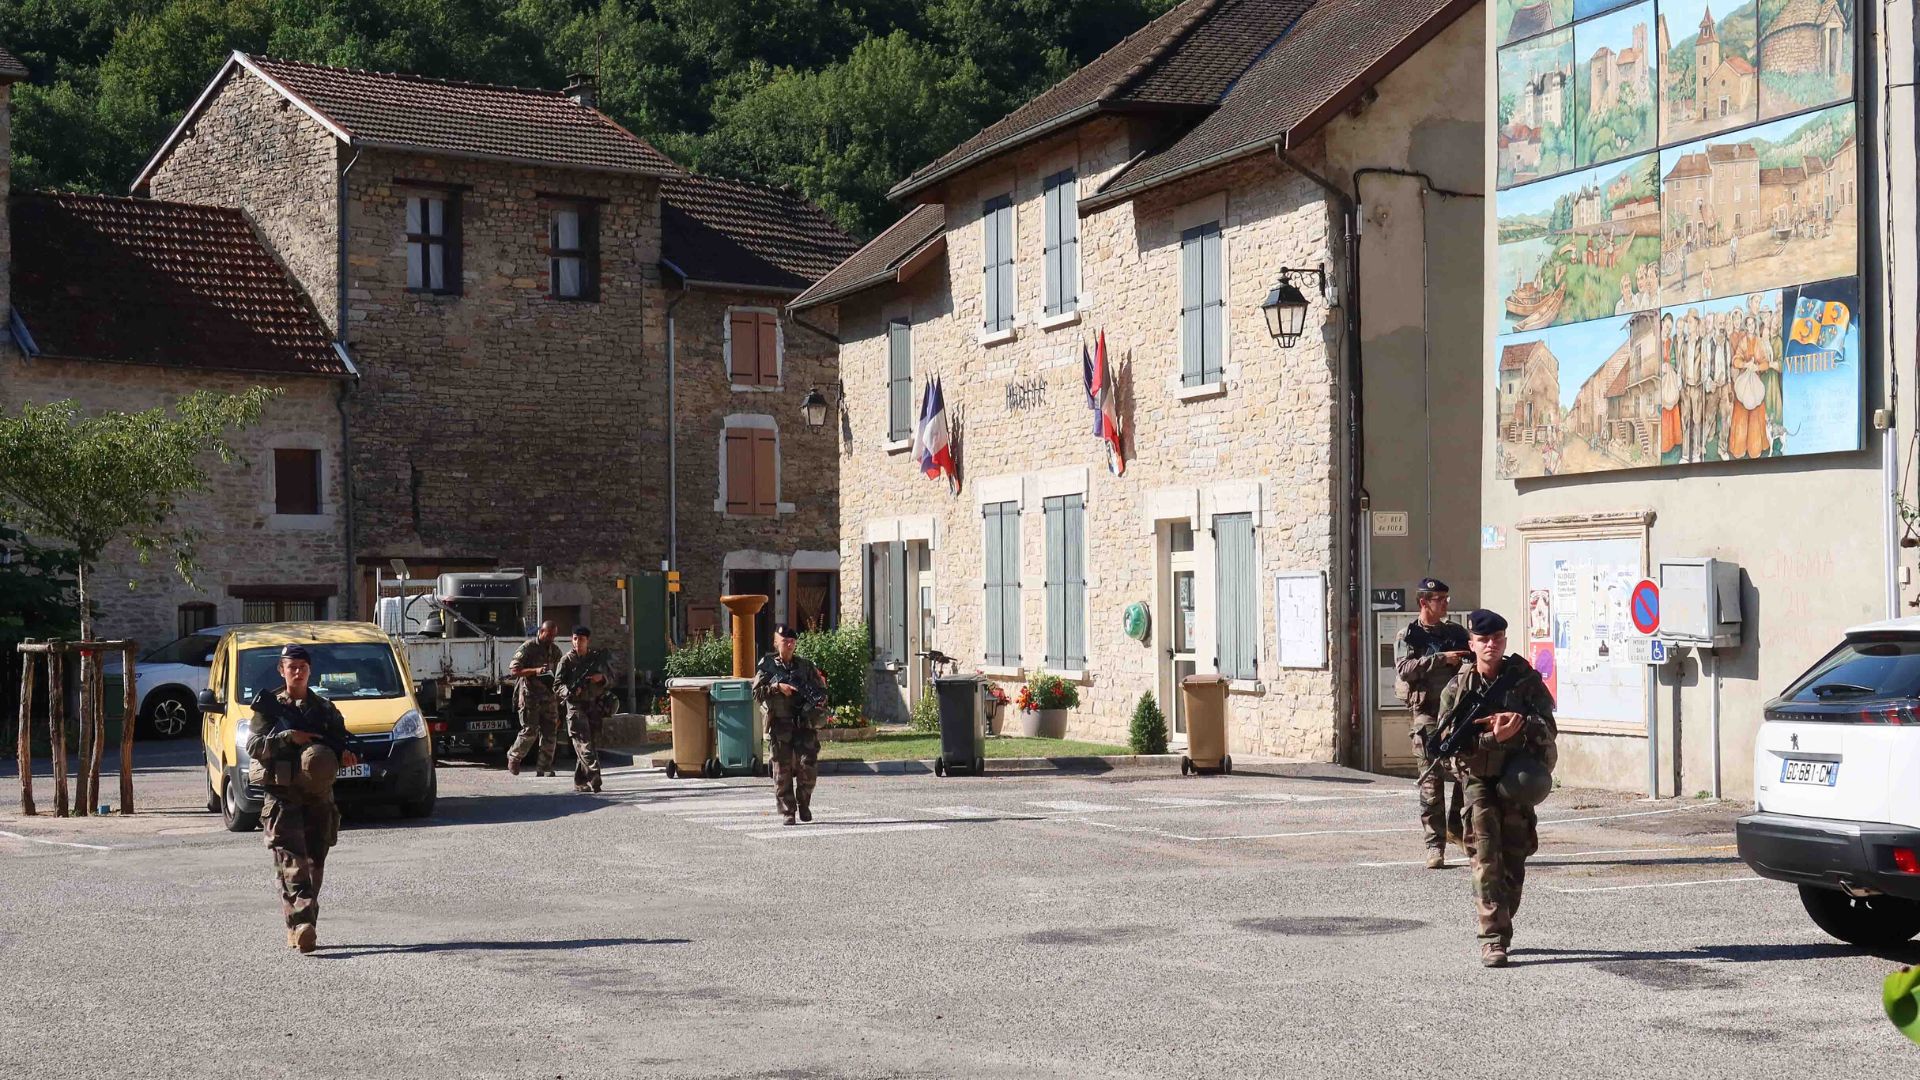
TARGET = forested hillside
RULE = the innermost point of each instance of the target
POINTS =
(839, 98)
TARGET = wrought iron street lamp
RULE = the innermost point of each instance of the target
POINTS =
(1286, 306)
(814, 408)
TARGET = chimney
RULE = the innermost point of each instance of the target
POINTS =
(584, 89)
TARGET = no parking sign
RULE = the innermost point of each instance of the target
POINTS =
(1643, 607)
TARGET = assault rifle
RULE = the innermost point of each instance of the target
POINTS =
(287, 718)
(812, 694)
(1459, 730)
(594, 664)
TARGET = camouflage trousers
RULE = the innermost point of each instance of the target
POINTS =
(796, 766)
(300, 832)
(539, 723)
(1438, 815)
(584, 721)
(1500, 835)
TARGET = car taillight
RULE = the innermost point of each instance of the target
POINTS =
(1900, 713)
(439, 727)
(1903, 857)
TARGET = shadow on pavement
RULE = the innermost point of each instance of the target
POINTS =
(455, 810)
(348, 952)
(1729, 954)
(1677, 860)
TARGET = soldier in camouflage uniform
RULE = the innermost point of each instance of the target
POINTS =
(1426, 656)
(1501, 831)
(298, 742)
(539, 711)
(582, 682)
(792, 717)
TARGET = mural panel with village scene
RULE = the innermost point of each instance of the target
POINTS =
(1517, 20)
(1695, 300)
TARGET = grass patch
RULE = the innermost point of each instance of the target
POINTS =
(907, 746)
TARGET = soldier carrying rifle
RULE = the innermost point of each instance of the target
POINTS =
(794, 693)
(581, 680)
(1426, 656)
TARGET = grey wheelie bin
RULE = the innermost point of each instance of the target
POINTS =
(963, 724)
(1206, 699)
(739, 734)
(687, 704)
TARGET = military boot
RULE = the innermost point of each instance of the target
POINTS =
(806, 811)
(293, 937)
(513, 766)
(307, 938)
(595, 783)
(1436, 859)
(787, 820)
(1493, 954)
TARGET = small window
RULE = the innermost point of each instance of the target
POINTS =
(752, 472)
(264, 609)
(899, 380)
(1062, 244)
(996, 218)
(1001, 544)
(433, 249)
(753, 348)
(573, 252)
(296, 482)
(1202, 307)
(1066, 521)
(193, 618)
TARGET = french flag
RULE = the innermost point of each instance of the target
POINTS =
(1106, 400)
(932, 445)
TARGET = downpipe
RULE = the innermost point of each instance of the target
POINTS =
(348, 608)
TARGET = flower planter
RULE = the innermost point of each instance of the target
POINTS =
(847, 734)
(1044, 724)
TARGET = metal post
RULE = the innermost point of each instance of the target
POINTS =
(1713, 720)
(1653, 731)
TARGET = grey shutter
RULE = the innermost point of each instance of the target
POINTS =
(867, 612)
(899, 380)
(1076, 581)
(993, 615)
(1006, 265)
(1069, 254)
(1010, 565)
(1055, 287)
(1235, 595)
(897, 601)
(1214, 307)
(1056, 526)
(1192, 282)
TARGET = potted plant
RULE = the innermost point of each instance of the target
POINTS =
(1044, 702)
(996, 707)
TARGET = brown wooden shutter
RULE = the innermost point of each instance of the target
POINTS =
(296, 481)
(450, 218)
(766, 477)
(744, 341)
(769, 333)
(740, 485)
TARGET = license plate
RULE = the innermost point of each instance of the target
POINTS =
(489, 706)
(354, 772)
(1801, 771)
(486, 725)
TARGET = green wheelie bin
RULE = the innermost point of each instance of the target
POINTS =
(739, 733)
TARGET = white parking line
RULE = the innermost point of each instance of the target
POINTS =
(54, 843)
(786, 832)
(1538, 856)
(1285, 797)
(1659, 885)
(1182, 801)
(1075, 806)
(1356, 832)
(957, 811)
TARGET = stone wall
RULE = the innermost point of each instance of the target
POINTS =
(242, 542)
(1263, 443)
(809, 462)
(249, 148)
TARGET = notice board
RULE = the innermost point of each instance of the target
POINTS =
(1575, 627)
(1300, 619)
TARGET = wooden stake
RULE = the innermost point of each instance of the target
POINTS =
(99, 740)
(27, 664)
(57, 728)
(83, 734)
(126, 729)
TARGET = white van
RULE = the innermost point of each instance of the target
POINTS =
(1836, 772)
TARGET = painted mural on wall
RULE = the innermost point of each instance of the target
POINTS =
(1615, 85)
(1689, 296)
(1517, 20)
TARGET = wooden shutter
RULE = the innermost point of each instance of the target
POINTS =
(296, 482)
(766, 473)
(993, 617)
(590, 245)
(1214, 309)
(767, 335)
(743, 347)
(1074, 580)
(1236, 600)
(1051, 204)
(740, 487)
(455, 283)
(1056, 583)
(1069, 254)
(1005, 219)
(990, 265)
(1191, 285)
(899, 380)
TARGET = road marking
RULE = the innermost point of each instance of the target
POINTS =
(1658, 885)
(1537, 856)
(701, 806)
(1179, 800)
(1285, 797)
(748, 826)
(957, 811)
(54, 843)
(1356, 832)
(1075, 806)
(785, 832)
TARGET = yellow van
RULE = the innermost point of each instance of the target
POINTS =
(358, 668)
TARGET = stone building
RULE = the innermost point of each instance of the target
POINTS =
(1809, 37)
(1151, 200)
(494, 260)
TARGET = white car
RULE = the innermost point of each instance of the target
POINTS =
(1836, 772)
(168, 682)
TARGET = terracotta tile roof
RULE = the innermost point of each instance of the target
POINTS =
(1688, 165)
(882, 258)
(1786, 174)
(1514, 357)
(1187, 58)
(719, 230)
(11, 69)
(1738, 64)
(1531, 20)
(146, 282)
(1723, 153)
(1333, 52)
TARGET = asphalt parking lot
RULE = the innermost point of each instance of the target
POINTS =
(1278, 922)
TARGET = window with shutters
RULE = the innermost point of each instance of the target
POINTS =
(296, 482)
(433, 243)
(750, 468)
(899, 380)
(753, 344)
(1236, 597)
(1062, 244)
(885, 594)
(573, 252)
(1066, 521)
(1001, 545)
(996, 221)
(1203, 309)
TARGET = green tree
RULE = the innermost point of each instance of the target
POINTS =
(36, 600)
(88, 481)
(1147, 733)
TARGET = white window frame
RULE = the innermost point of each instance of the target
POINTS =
(779, 349)
(765, 423)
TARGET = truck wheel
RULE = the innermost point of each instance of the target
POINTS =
(232, 815)
(423, 806)
(1874, 922)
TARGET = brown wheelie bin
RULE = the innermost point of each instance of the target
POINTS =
(1206, 701)
(692, 726)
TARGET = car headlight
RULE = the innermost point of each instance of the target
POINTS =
(409, 726)
(241, 733)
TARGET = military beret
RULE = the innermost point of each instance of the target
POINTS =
(296, 652)
(581, 631)
(1484, 623)
(783, 630)
(1432, 585)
